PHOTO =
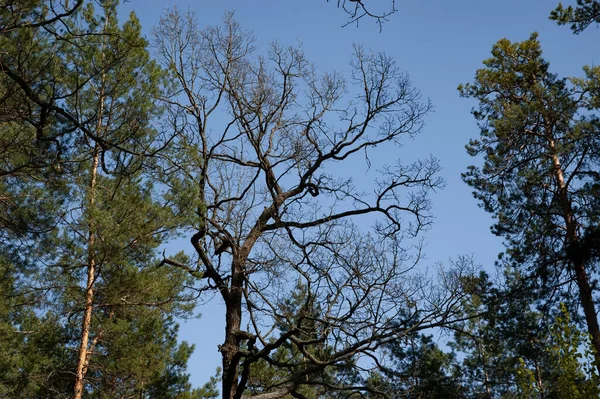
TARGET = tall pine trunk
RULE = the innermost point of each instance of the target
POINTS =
(578, 261)
(85, 349)
(84, 352)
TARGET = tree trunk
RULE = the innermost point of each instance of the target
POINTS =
(230, 350)
(589, 308)
(539, 382)
(83, 358)
(488, 389)
(578, 261)
(84, 349)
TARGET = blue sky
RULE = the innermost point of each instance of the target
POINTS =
(440, 44)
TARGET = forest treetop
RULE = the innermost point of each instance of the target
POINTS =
(110, 149)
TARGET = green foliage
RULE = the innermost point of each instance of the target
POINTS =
(541, 148)
(580, 17)
(540, 144)
(569, 370)
(573, 354)
(497, 330)
(510, 350)
(32, 353)
(81, 87)
(85, 87)
(301, 312)
(33, 13)
(208, 390)
(525, 382)
(418, 370)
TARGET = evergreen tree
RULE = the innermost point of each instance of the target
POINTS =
(580, 17)
(33, 14)
(539, 178)
(32, 341)
(86, 305)
(510, 350)
(418, 369)
(299, 319)
(569, 371)
(484, 351)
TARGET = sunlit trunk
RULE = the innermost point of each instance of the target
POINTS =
(579, 263)
(84, 352)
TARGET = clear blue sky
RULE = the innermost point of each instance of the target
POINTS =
(439, 43)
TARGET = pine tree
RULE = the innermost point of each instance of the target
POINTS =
(417, 368)
(89, 307)
(580, 17)
(569, 371)
(539, 179)
(299, 318)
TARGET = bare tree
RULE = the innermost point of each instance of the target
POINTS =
(262, 143)
(357, 10)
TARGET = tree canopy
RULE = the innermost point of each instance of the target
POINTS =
(117, 150)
